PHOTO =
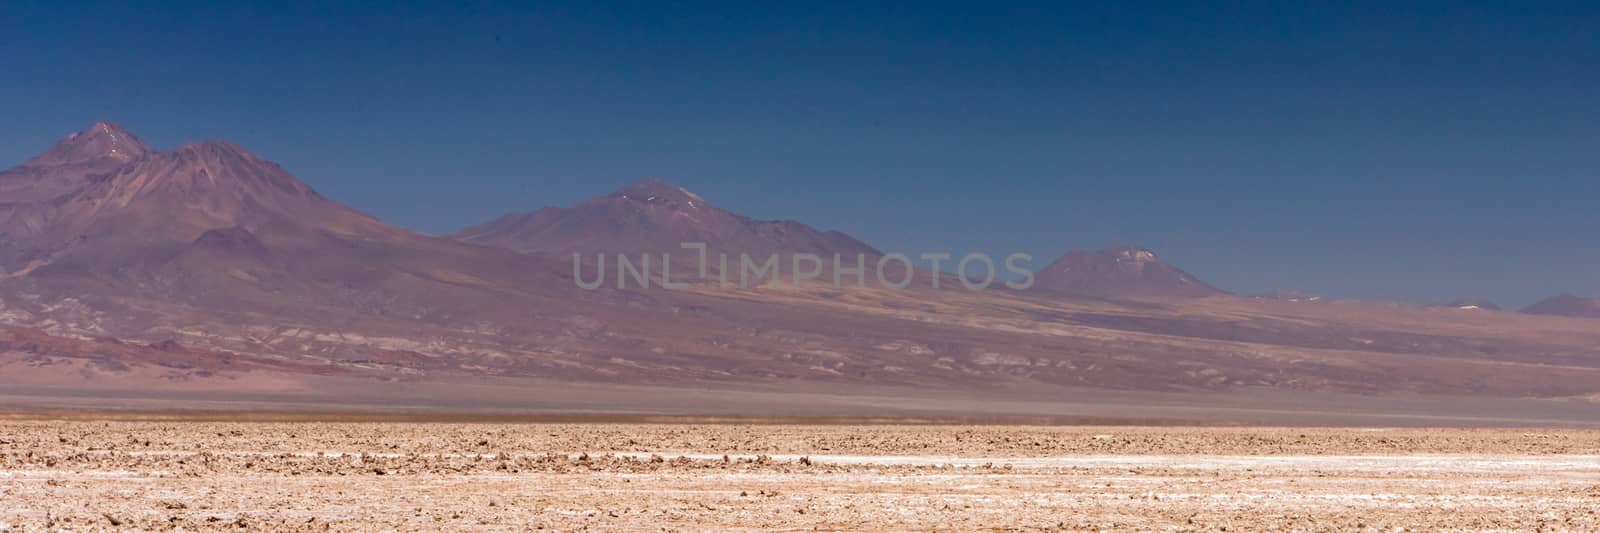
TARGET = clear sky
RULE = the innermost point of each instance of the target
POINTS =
(1414, 151)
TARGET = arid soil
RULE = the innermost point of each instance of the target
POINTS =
(424, 476)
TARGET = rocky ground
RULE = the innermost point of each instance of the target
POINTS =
(90, 475)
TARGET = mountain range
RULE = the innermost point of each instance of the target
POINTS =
(209, 269)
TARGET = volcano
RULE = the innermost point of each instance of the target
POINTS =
(656, 216)
(1124, 271)
(98, 150)
(214, 241)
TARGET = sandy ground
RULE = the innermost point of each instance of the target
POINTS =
(166, 475)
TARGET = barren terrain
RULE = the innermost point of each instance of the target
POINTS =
(310, 474)
(208, 272)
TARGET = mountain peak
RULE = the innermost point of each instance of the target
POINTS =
(102, 144)
(210, 172)
(1129, 258)
(1120, 271)
(656, 192)
(1131, 254)
(216, 147)
(652, 215)
(102, 128)
(103, 181)
(105, 126)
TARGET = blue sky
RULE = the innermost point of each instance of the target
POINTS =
(1416, 151)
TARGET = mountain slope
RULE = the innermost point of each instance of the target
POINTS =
(1569, 305)
(1123, 271)
(655, 216)
(66, 166)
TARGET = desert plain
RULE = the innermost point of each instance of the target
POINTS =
(348, 473)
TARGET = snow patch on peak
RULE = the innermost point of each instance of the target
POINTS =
(691, 195)
(101, 144)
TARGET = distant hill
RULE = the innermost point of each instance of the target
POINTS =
(1566, 305)
(1120, 272)
(655, 216)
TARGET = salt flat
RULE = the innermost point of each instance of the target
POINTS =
(368, 476)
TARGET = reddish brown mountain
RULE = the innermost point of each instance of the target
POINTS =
(1123, 271)
(112, 204)
(183, 193)
(126, 266)
(102, 148)
(210, 230)
(1566, 305)
(655, 216)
